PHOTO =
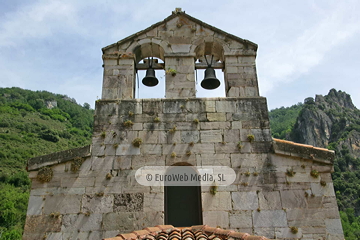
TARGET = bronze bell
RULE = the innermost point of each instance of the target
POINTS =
(150, 80)
(210, 81)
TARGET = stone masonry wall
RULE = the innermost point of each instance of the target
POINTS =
(273, 193)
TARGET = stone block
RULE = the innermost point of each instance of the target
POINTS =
(210, 106)
(302, 177)
(216, 218)
(190, 117)
(216, 117)
(213, 159)
(225, 106)
(76, 182)
(62, 203)
(236, 125)
(128, 221)
(261, 135)
(81, 222)
(293, 199)
(105, 163)
(319, 190)
(201, 148)
(269, 200)
(217, 202)
(152, 149)
(214, 125)
(128, 202)
(240, 219)
(227, 148)
(35, 205)
(189, 136)
(127, 149)
(97, 203)
(154, 202)
(89, 235)
(269, 218)
(211, 136)
(42, 223)
(122, 162)
(266, 232)
(333, 226)
(231, 135)
(245, 200)
(286, 233)
(153, 136)
(248, 160)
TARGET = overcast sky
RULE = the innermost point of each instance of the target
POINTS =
(305, 47)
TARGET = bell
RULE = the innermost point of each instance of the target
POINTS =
(210, 81)
(150, 80)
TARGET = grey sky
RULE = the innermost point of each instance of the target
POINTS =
(305, 47)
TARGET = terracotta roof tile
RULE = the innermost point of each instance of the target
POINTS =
(200, 232)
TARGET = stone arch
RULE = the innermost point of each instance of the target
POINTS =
(209, 46)
(148, 49)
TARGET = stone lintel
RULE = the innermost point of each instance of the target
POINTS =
(58, 157)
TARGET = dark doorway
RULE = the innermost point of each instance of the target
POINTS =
(183, 205)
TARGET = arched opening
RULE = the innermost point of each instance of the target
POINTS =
(183, 203)
(143, 91)
(209, 53)
(149, 55)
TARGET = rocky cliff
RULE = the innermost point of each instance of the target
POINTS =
(329, 121)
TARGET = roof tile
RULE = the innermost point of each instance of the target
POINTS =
(200, 232)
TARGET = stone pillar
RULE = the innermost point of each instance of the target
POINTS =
(119, 77)
(180, 77)
(240, 76)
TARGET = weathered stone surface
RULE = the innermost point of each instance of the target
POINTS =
(126, 221)
(216, 218)
(333, 226)
(128, 202)
(269, 200)
(81, 222)
(211, 136)
(269, 218)
(97, 203)
(189, 136)
(219, 201)
(36, 203)
(62, 204)
(42, 223)
(244, 200)
(240, 219)
(293, 199)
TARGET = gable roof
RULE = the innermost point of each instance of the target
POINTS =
(200, 232)
(177, 13)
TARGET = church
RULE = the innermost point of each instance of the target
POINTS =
(280, 189)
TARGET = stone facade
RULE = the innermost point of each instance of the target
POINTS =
(283, 190)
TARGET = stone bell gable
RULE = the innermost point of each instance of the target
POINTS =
(180, 40)
(282, 190)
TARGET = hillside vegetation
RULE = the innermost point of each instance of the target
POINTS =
(33, 124)
(332, 122)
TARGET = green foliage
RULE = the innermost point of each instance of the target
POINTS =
(29, 129)
(350, 224)
(283, 119)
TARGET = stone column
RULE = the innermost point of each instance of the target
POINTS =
(119, 77)
(180, 77)
(240, 76)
